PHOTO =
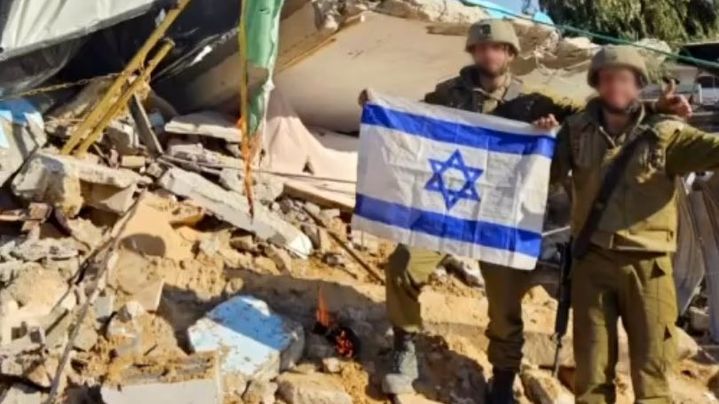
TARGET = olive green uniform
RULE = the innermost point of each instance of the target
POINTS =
(409, 268)
(627, 272)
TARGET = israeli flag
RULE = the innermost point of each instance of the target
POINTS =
(453, 181)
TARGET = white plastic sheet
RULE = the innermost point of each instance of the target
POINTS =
(27, 25)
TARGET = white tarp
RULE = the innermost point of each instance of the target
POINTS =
(27, 25)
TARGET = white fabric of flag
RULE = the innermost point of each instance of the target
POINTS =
(453, 181)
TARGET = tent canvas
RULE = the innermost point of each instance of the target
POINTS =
(60, 21)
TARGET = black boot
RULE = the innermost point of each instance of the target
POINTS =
(502, 389)
(404, 368)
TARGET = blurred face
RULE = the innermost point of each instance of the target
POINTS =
(618, 88)
(492, 59)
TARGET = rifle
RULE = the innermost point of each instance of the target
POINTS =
(564, 297)
(579, 247)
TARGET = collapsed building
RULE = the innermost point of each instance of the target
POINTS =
(137, 272)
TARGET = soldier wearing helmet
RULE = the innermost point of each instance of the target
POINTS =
(485, 86)
(625, 271)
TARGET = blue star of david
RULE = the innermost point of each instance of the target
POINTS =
(452, 196)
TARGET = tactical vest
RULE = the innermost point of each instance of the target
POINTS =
(641, 214)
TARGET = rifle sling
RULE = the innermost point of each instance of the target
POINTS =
(611, 178)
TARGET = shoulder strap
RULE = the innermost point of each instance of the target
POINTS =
(609, 183)
(514, 90)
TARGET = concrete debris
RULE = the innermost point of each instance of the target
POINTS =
(69, 183)
(334, 259)
(130, 311)
(121, 135)
(233, 208)
(49, 249)
(244, 243)
(85, 231)
(265, 188)
(21, 394)
(133, 162)
(280, 257)
(191, 380)
(331, 365)
(87, 336)
(297, 388)
(319, 236)
(104, 306)
(260, 392)
(133, 275)
(206, 123)
(255, 343)
(31, 367)
(194, 156)
(542, 388)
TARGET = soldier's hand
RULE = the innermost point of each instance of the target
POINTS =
(363, 98)
(547, 123)
(670, 102)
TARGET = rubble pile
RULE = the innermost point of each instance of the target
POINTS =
(141, 272)
(130, 274)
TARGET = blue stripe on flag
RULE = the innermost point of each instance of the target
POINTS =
(457, 133)
(443, 226)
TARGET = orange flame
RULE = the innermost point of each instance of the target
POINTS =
(323, 315)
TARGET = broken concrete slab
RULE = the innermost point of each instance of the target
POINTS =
(314, 388)
(254, 342)
(206, 123)
(46, 249)
(197, 153)
(168, 380)
(233, 208)
(265, 188)
(121, 135)
(68, 183)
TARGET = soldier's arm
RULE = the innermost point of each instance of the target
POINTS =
(562, 160)
(688, 149)
(439, 96)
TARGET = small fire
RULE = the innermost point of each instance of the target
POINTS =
(322, 315)
(343, 338)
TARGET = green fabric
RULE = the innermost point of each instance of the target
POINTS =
(262, 23)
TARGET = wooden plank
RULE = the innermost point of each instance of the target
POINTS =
(144, 127)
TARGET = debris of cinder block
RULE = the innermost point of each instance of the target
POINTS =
(315, 388)
(255, 342)
(233, 208)
(168, 380)
(122, 136)
(104, 305)
(466, 269)
(68, 183)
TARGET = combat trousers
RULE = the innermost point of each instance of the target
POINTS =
(637, 287)
(408, 269)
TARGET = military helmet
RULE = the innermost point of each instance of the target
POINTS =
(492, 30)
(618, 56)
